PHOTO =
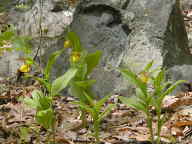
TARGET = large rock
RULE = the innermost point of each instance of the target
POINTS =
(184, 71)
(47, 19)
(8, 60)
(179, 72)
(129, 32)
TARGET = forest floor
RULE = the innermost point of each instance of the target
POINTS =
(123, 125)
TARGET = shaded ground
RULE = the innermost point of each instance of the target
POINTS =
(123, 125)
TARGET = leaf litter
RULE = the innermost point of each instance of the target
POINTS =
(122, 125)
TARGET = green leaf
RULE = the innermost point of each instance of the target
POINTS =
(84, 54)
(77, 92)
(24, 133)
(50, 63)
(156, 102)
(34, 101)
(148, 66)
(149, 100)
(8, 35)
(134, 79)
(171, 88)
(46, 84)
(62, 82)
(140, 107)
(82, 71)
(101, 102)
(84, 106)
(92, 61)
(128, 101)
(30, 102)
(44, 102)
(84, 84)
(42, 81)
(106, 111)
(38, 101)
(165, 85)
(143, 103)
(158, 81)
(30, 61)
(88, 107)
(46, 118)
(89, 99)
(140, 94)
(156, 70)
(75, 40)
(132, 102)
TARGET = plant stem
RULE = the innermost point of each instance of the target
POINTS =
(158, 125)
(53, 132)
(83, 118)
(149, 125)
(53, 126)
(96, 131)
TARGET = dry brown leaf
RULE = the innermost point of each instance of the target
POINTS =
(175, 131)
(174, 102)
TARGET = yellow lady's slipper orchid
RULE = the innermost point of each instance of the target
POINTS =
(67, 44)
(75, 56)
(25, 68)
(143, 76)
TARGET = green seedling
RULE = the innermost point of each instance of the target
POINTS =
(43, 104)
(24, 135)
(147, 98)
(95, 109)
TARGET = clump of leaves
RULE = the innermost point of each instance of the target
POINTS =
(81, 85)
(95, 109)
(85, 63)
(25, 133)
(43, 102)
(9, 40)
(146, 98)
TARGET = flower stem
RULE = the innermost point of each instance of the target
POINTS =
(149, 125)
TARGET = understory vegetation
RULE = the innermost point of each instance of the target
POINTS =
(151, 87)
(71, 96)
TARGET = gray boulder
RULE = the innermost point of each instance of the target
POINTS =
(54, 21)
(183, 72)
(129, 32)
